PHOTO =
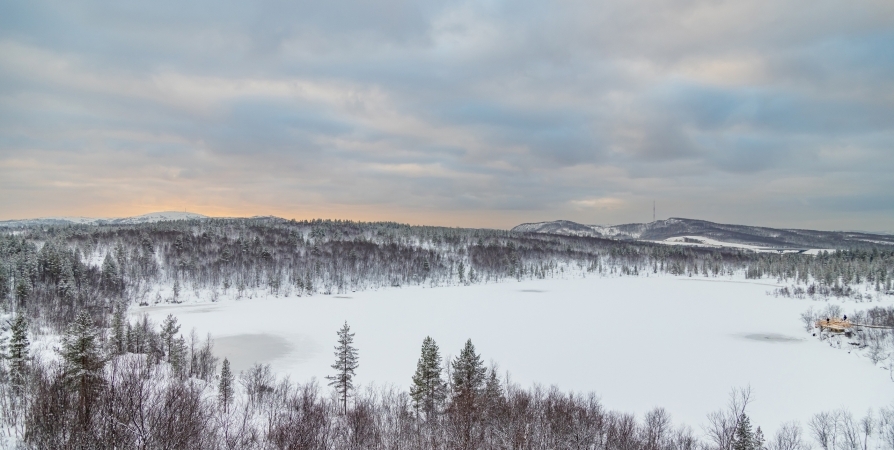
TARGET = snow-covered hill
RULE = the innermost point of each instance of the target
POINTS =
(158, 217)
(717, 234)
(145, 218)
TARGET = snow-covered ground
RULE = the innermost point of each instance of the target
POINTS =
(638, 342)
(701, 241)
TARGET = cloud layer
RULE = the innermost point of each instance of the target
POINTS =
(482, 113)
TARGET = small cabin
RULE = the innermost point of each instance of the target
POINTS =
(834, 325)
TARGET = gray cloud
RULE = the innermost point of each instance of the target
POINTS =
(460, 113)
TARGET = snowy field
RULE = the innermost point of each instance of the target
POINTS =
(638, 343)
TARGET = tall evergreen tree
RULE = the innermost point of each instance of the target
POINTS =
(168, 329)
(83, 363)
(428, 388)
(345, 365)
(467, 385)
(118, 338)
(759, 442)
(493, 390)
(110, 275)
(744, 437)
(178, 356)
(18, 352)
(225, 387)
(468, 372)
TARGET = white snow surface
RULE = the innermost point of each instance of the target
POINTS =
(637, 342)
(701, 241)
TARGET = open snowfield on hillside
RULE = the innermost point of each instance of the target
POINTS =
(679, 343)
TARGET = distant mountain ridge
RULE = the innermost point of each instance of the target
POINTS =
(689, 230)
(144, 218)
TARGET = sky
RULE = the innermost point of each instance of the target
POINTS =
(459, 113)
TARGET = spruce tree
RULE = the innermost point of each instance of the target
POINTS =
(493, 391)
(18, 352)
(118, 338)
(744, 437)
(428, 387)
(83, 362)
(110, 275)
(467, 385)
(345, 365)
(468, 372)
(168, 329)
(759, 443)
(225, 387)
(178, 356)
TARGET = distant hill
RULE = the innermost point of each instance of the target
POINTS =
(702, 232)
(61, 221)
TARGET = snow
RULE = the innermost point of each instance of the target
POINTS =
(160, 216)
(78, 220)
(145, 218)
(701, 241)
(638, 342)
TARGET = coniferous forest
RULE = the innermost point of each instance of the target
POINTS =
(115, 382)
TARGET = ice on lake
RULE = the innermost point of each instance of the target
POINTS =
(244, 350)
(638, 343)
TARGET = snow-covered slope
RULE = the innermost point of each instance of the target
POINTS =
(158, 217)
(145, 218)
(718, 234)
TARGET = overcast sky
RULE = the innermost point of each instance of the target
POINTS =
(478, 113)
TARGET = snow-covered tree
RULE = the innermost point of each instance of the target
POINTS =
(467, 386)
(428, 388)
(744, 437)
(759, 441)
(225, 386)
(118, 336)
(177, 356)
(111, 278)
(345, 364)
(83, 362)
(18, 351)
(468, 372)
(168, 329)
(493, 390)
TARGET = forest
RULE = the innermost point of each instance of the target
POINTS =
(120, 383)
(53, 273)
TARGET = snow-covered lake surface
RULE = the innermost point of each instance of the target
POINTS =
(638, 343)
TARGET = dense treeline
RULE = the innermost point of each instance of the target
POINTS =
(136, 385)
(52, 273)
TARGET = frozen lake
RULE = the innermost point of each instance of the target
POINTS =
(638, 343)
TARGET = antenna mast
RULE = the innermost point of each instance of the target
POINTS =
(653, 210)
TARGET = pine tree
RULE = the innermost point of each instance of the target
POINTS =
(493, 391)
(110, 275)
(118, 338)
(177, 290)
(178, 356)
(83, 362)
(468, 372)
(345, 365)
(744, 437)
(225, 387)
(168, 329)
(130, 335)
(428, 387)
(467, 385)
(18, 352)
(759, 443)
